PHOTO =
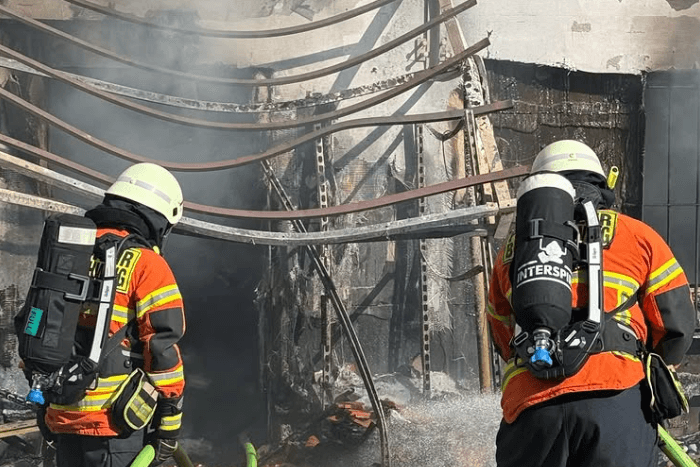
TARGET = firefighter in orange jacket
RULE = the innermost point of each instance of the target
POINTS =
(594, 417)
(145, 200)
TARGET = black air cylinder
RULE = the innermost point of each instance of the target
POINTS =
(542, 263)
(47, 323)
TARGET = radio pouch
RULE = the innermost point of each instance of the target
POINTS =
(134, 403)
(666, 396)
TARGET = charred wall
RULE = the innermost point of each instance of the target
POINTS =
(603, 110)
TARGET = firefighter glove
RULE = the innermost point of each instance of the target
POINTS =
(165, 448)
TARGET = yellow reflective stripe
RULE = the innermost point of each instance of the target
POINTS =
(141, 409)
(122, 314)
(492, 312)
(626, 355)
(624, 317)
(662, 276)
(171, 422)
(167, 378)
(509, 294)
(510, 371)
(625, 286)
(89, 403)
(159, 297)
(109, 382)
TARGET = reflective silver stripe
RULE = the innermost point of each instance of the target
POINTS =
(171, 422)
(152, 300)
(625, 286)
(76, 235)
(163, 379)
(122, 314)
(553, 160)
(663, 275)
(146, 186)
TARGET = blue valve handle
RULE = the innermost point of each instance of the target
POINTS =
(36, 396)
(540, 356)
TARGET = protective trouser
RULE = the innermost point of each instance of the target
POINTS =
(594, 429)
(98, 451)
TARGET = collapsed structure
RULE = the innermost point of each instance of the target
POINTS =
(344, 195)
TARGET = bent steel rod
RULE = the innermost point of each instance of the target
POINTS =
(262, 34)
(241, 81)
(298, 214)
(419, 78)
(228, 107)
(250, 158)
(345, 320)
(455, 222)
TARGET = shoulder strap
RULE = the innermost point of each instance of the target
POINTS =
(114, 341)
(106, 297)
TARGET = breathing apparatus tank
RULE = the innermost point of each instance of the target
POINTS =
(541, 270)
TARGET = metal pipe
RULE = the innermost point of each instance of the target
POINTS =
(233, 34)
(420, 78)
(241, 81)
(246, 159)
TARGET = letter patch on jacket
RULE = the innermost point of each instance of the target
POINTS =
(125, 268)
(608, 223)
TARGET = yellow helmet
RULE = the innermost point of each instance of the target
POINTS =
(567, 155)
(153, 186)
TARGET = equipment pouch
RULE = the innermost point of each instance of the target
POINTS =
(667, 399)
(134, 402)
(73, 381)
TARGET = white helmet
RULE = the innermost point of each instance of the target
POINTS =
(567, 155)
(153, 186)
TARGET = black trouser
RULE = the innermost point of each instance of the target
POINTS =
(596, 429)
(97, 451)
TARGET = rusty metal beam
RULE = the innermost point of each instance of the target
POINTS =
(452, 223)
(111, 12)
(305, 213)
(420, 78)
(242, 160)
(448, 14)
(224, 107)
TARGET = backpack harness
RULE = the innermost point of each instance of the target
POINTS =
(555, 351)
(47, 324)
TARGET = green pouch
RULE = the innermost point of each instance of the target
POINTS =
(667, 398)
(134, 402)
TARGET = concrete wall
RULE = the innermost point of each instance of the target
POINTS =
(603, 36)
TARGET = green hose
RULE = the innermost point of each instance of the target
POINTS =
(251, 455)
(673, 450)
(145, 457)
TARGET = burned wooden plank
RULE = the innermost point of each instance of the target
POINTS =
(18, 428)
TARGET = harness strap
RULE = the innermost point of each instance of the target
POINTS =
(543, 228)
(74, 286)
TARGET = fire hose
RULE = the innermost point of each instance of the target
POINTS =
(673, 450)
(148, 453)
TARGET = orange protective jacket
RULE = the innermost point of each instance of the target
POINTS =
(636, 261)
(147, 295)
